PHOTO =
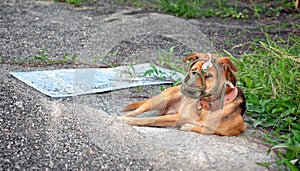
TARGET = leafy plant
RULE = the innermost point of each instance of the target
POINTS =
(270, 78)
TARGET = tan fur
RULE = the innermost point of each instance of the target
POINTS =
(181, 111)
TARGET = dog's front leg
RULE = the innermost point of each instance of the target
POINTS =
(159, 121)
(199, 128)
(193, 127)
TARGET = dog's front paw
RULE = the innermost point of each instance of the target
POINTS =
(128, 120)
(131, 114)
(190, 126)
(122, 118)
(187, 127)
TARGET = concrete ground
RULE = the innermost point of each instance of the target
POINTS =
(81, 133)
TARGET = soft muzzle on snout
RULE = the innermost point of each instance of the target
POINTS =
(189, 85)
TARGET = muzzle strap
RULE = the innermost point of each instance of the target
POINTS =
(188, 89)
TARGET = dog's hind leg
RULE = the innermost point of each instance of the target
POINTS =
(158, 121)
(133, 106)
(163, 103)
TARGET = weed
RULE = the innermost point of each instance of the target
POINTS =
(166, 59)
(42, 57)
(139, 89)
(41, 60)
(99, 59)
(136, 3)
(191, 8)
(162, 88)
(183, 8)
(233, 12)
(257, 9)
(74, 2)
(110, 64)
(155, 73)
(131, 71)
(96, 58)
(270, 8)
(220, 8)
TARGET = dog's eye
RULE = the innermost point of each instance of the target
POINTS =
(194, 72)
(208, 76)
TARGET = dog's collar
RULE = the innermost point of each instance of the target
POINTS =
(216, 104)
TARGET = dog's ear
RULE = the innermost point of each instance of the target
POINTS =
(196, 55)
(228, 68)
(191, 57)
(226, 62)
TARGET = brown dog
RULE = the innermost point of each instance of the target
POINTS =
(207, 102)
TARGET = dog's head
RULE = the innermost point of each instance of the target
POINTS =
(207, 75)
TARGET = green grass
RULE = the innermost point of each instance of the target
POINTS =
(194, 9)
(270, 78)
(191, 8)
(219, 8)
